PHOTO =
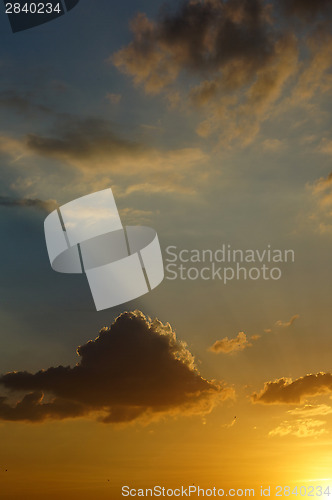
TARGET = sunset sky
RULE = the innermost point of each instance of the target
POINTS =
(210, 120)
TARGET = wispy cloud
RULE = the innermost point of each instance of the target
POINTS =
(22, 103)
(301, 428)
(287, 324)
(242, 341)
(305, 424)
(90, 146)
(325, 146)
(273, 145)
(321, 196)
(311, 410)
(45, 206)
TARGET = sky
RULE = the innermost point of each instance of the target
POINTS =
(210, 120)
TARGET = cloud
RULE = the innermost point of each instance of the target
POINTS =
(135, 369)
(232, 60)
(131, 216)
(232, 48)
(287, 391)
(13, 147)
(322, 188)
(315, 77)
(305, 425)
(311, 410)
(273, 145)
(227, 345)
(91, 143)
(45, 206)
(238, 116)
(32, 408)
(300, 428)
(90, 146)
(87, 142)
(202, 38)
(21, 103)
(325, 146)
(287, 324)
(321, 196)
(306, 9)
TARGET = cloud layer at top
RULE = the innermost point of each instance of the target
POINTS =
(134, 369)
(232, 59)
(202, 37)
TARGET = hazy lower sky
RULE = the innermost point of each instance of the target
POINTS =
(211, 122)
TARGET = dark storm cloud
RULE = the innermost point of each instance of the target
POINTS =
(135, 368)
(229, 40)
(206, 38)
(285, 391)
(45, 206)
(208, 35)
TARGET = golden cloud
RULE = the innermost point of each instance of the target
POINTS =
(227, 345)
(301, 428)
(287, 324)
(287, 391)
